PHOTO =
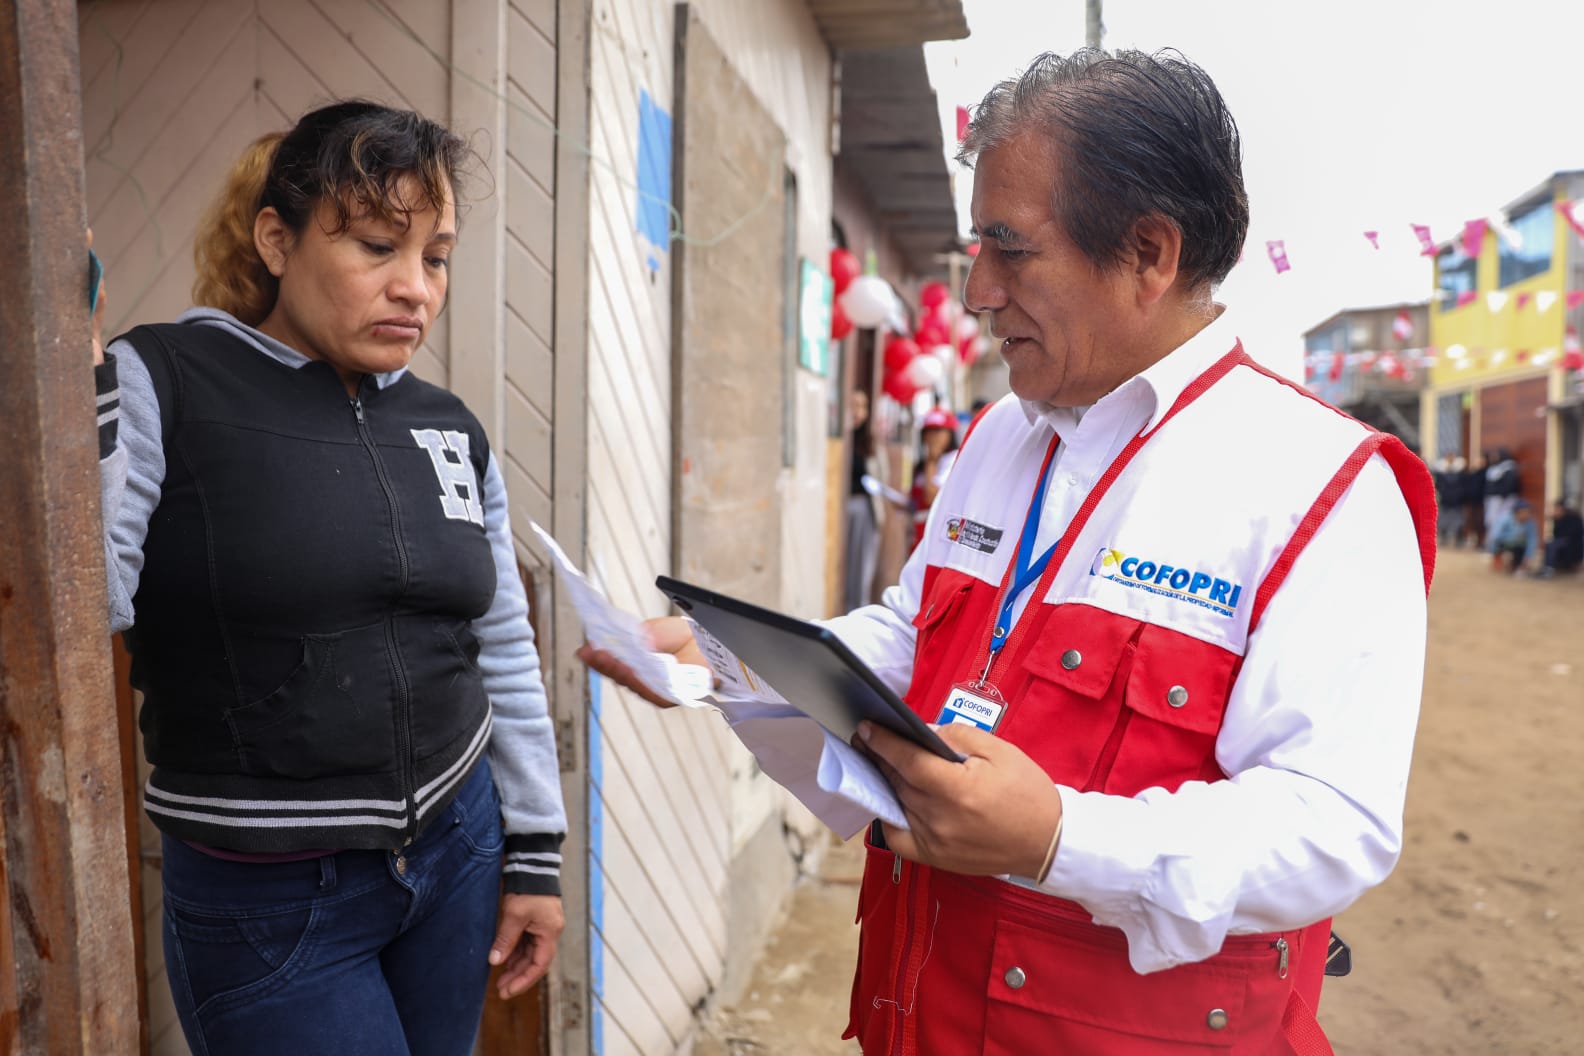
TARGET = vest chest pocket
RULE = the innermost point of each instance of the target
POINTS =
(941, 635)
(1173, 706)
(1065, 699)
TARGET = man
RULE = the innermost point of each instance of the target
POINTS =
(1192, 606)
(1564, 551)
(1514, 539)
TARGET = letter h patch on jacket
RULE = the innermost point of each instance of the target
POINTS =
(459, 491)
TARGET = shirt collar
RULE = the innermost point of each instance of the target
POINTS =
(1161, 383)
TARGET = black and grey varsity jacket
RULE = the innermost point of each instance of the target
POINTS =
(320, 599)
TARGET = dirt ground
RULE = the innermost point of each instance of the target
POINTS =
(1475, 945)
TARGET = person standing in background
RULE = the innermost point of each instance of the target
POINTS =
(863, 509)
(937, 452)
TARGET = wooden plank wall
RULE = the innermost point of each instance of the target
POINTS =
(663, 799)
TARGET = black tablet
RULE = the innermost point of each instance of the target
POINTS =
(806, 664)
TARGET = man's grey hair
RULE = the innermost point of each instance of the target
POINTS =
(1134, 134)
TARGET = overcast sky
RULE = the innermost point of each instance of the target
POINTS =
(1355, 115)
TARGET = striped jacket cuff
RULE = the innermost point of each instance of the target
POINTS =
(533, 864)
(107, 394)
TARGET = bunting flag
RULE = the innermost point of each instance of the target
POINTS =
(962, 123)
(1402, 326)
(1572, 354)
(1496, 301)
(1427, 246)
(1278, 255)
(1337, 362)
(1374, 238)
(1575, 298)
(1473, 237)
(1524, 299)
(1573, 213)
(1467, 297)
(1544, 300)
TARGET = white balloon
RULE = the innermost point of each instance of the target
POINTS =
(967, 326)
(867, 301)
(925, 372)
(947, 356)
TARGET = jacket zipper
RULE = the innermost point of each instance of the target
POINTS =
(398, 669)
(905, 901)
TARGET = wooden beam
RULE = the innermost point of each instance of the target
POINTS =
(68, 977)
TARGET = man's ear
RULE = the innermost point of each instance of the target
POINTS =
(273, 240)
(1157, 242)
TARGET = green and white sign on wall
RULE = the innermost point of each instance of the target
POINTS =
(815, 293)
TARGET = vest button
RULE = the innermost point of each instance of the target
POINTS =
(1015, 978)
(1217, 1019)
(1071, 659)
(1176, 696)
(401, 865)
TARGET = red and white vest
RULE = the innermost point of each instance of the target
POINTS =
(1116, 679)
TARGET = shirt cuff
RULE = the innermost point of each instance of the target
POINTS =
(1127, 871)
(533, 864)
(107, 395)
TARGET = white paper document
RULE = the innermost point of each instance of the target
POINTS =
(882, 490)
(830, 777)
(622, 635)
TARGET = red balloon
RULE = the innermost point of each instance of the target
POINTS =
(932, 332)
(844, 268)
(934, 294)
(899, 388)
(968, 350)
(1573, 360)
(841, 326)
(899, 352)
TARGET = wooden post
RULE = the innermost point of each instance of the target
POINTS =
(67, 972)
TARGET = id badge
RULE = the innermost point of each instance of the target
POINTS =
(975, 704)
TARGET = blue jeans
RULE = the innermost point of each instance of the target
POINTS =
(359, 952)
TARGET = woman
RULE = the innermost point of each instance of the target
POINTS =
(937, 452)
(863, 508)
(309, 554)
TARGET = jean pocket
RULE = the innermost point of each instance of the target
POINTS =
(476, 815)
(223, 960)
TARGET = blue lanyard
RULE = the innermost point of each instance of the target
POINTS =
(1025, 574)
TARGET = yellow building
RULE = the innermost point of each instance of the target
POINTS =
(1501, 327)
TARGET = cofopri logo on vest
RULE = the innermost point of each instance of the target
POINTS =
(1171, 581)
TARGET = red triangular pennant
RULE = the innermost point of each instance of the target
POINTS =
(1278, 255)
(1474, 236)
(1427, 247)
(1573, 213)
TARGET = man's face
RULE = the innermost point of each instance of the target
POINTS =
(1070, 334)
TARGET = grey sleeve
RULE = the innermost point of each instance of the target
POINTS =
(131, 473)
(522, 745)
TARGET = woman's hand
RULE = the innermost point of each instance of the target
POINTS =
(667, 634)
(98, 315)
(525, 941)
